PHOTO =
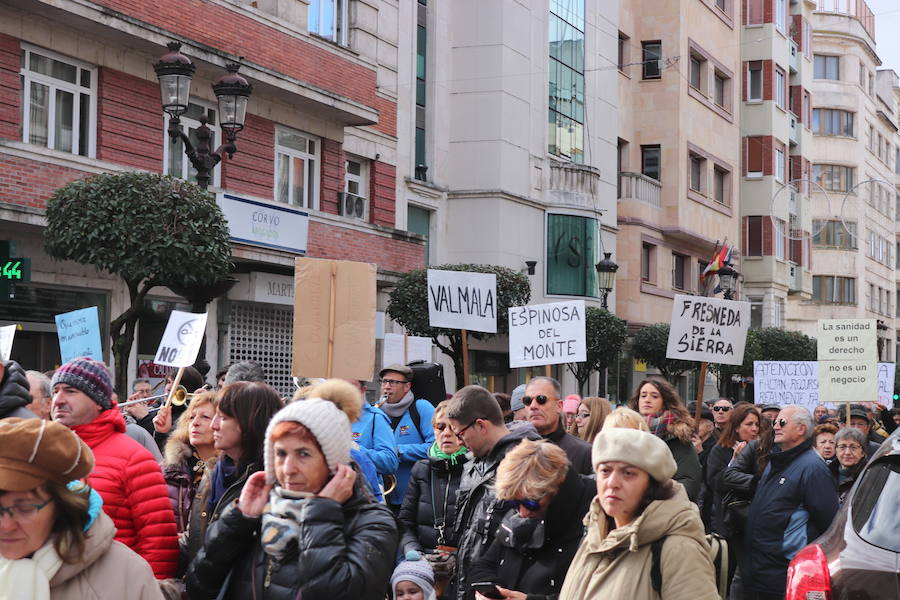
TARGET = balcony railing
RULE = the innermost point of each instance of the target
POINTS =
(852, 8)
(635, 186)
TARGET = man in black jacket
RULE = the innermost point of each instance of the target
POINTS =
(477, 420)
(14, 391)
(544, 405)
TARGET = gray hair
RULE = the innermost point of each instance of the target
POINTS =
(43, 381)
(550, 380)
(137, 381)
(246, 370)
(850, 432)
(804, 417)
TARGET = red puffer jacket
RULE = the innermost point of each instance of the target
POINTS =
(134, 492)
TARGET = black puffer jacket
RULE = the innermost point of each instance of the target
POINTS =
(533, 555)
(429, 505)
(346, 552)
(14, 393)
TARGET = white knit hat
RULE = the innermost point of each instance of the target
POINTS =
(635, 447)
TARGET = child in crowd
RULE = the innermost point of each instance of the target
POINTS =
(413, 579)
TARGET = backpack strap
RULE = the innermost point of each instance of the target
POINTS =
(656, 564)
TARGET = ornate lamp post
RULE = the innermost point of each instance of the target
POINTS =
(728, 280)
(606, 277)
(175, 71)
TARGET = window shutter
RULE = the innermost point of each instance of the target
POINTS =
(754, 155)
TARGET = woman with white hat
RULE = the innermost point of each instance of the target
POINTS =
(639, 511)
(306, 526)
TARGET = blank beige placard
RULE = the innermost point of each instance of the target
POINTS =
(352, 332)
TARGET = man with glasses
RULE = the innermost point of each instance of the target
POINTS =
(477, 420)
(411, 423)
(544, 405)
(721, 410)
(795, 501)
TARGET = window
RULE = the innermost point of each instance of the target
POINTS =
(328, 19)
(828, 121)
(650, 162)
(778, 234)
(58, 103)
(754, 80)
(720, 185)
(721, 5)
(779, 164)
(753, 234)
(862, 76)
(833, 178)
(647, 262)
(572, 252)
(356, 177)
(780, 100)
(680, 264)
(697, 72)
(756, 310)
(781, 15)
(826, 67)
(879, 248)
(719, 95)
(830, 289)
(834, 234)
(871, 84)
(175, 161)
(566, 106)
(421, 91)
(418, 220)
(296, 169)
(697, 164)
(651, 56)
(623, 50)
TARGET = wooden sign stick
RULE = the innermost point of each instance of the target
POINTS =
(175, 385)
(330, 364)
(700, 386)
(465, 356)
(405, 348)
(547, 370)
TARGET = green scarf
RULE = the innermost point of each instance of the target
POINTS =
(435, 452)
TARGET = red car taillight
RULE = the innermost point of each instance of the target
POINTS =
(808, 577)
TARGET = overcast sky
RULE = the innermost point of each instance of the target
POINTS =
(887, 32)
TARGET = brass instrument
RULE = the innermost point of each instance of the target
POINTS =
(179, 398)
(390, 487)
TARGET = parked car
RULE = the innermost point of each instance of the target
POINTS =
(859, 556)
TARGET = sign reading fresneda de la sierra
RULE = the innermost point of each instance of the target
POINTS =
(708, 329)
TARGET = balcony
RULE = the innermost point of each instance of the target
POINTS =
(635, 186)
(795, 57)
(573, 185)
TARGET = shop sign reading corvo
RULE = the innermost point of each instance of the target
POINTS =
(263, 224)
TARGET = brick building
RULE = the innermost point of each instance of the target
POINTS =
(78, 96)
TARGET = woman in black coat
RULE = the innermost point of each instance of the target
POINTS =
(541, 533)
(741, 428)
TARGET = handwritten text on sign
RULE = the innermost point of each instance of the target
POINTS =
(786, 382)
(708, 329)
(79, 334)
(547, 334)
(181, 340)
(7, 334)
(462, 300)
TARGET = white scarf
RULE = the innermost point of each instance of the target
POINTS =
(30, 577)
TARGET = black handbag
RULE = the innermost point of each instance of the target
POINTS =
(735, 507)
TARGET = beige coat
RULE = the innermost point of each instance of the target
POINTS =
(617, 563)
(106, 570)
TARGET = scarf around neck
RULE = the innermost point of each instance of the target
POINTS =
(659, 424)
(221, 478)
(396, 410)
(281, 522)
(30, 577)
(435, 452)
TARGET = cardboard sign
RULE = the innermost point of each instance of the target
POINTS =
(79, 334)
(547, 334)
(848, 381)
(181, 340)
(847, 339)
(7, 333)
(334, 319)
(462, 300)
(797, 382)
(708, 329)
(402, 349)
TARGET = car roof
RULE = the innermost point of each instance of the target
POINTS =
(890, 446)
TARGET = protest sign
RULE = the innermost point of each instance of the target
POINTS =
(547, 334)
(847, 352)
(402, 349)
(181, 339)
(886, 372)
(708, 329)
(79, 334)
(848, 381)
(462, 300)
(7, 333)
(797, 382)
(334, 319)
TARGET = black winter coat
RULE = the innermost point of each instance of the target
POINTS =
(719, 458)
(346, 552)
(531, 555)
(14, 394)
(430, 504)
(577, 450)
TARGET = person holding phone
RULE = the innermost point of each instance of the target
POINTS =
(307, 526)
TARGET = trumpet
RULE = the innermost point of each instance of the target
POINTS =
(381, 401)
(179, 398)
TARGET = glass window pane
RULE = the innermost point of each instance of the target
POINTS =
(282, 181)
(85, 78)
(39, 114)
(63, 120)
(298, 195)
(84, 124)
(354, 167)
(176, 157)
(310, 183)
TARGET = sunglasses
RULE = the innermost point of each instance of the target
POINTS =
(721, 408)
(541, 399)
(780, 422)
(530, 505)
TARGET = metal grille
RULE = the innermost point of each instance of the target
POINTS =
(264, 333)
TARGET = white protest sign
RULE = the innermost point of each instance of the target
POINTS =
(547, 334)
(400, 351)
(7, 333)
(708, 329)
(462, 300)
(886, 373)
(848, 381)
(847, 351)
(181, 340)
(797, 382)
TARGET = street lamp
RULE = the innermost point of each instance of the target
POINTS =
(606, 277)
(175, 71)
(728, 280)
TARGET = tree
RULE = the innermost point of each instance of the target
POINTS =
(650, 345)
(605, 335)
(148, 229)
(408, 305)
(767, 343)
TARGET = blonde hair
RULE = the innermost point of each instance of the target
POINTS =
(626, 419)
(440, 411)
(600, 409)
(181, 435)
(531, 471)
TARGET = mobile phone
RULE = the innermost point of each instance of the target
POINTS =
(487, 589)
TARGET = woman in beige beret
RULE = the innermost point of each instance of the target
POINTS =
(56, 543)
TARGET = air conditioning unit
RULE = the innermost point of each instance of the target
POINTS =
(351, 205)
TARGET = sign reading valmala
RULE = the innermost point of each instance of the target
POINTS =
(708, 329)
(847, 352)
(547, 334)
(462, 300)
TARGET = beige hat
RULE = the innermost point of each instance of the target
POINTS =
(33, 451)
(638, 448)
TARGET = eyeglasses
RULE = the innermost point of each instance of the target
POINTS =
(392, 381)
(845, 447)
(721, 408)
(459, 434)
(530, 505)
(780, 422)
(583, 416)
(22, 512)
(541, 399)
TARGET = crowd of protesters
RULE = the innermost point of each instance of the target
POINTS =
(532, 495)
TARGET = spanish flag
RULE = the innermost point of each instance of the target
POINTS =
(722, 256)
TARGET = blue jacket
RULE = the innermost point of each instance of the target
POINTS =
(795, 501)
(412, 442)
(368, 470)
(372, 431)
